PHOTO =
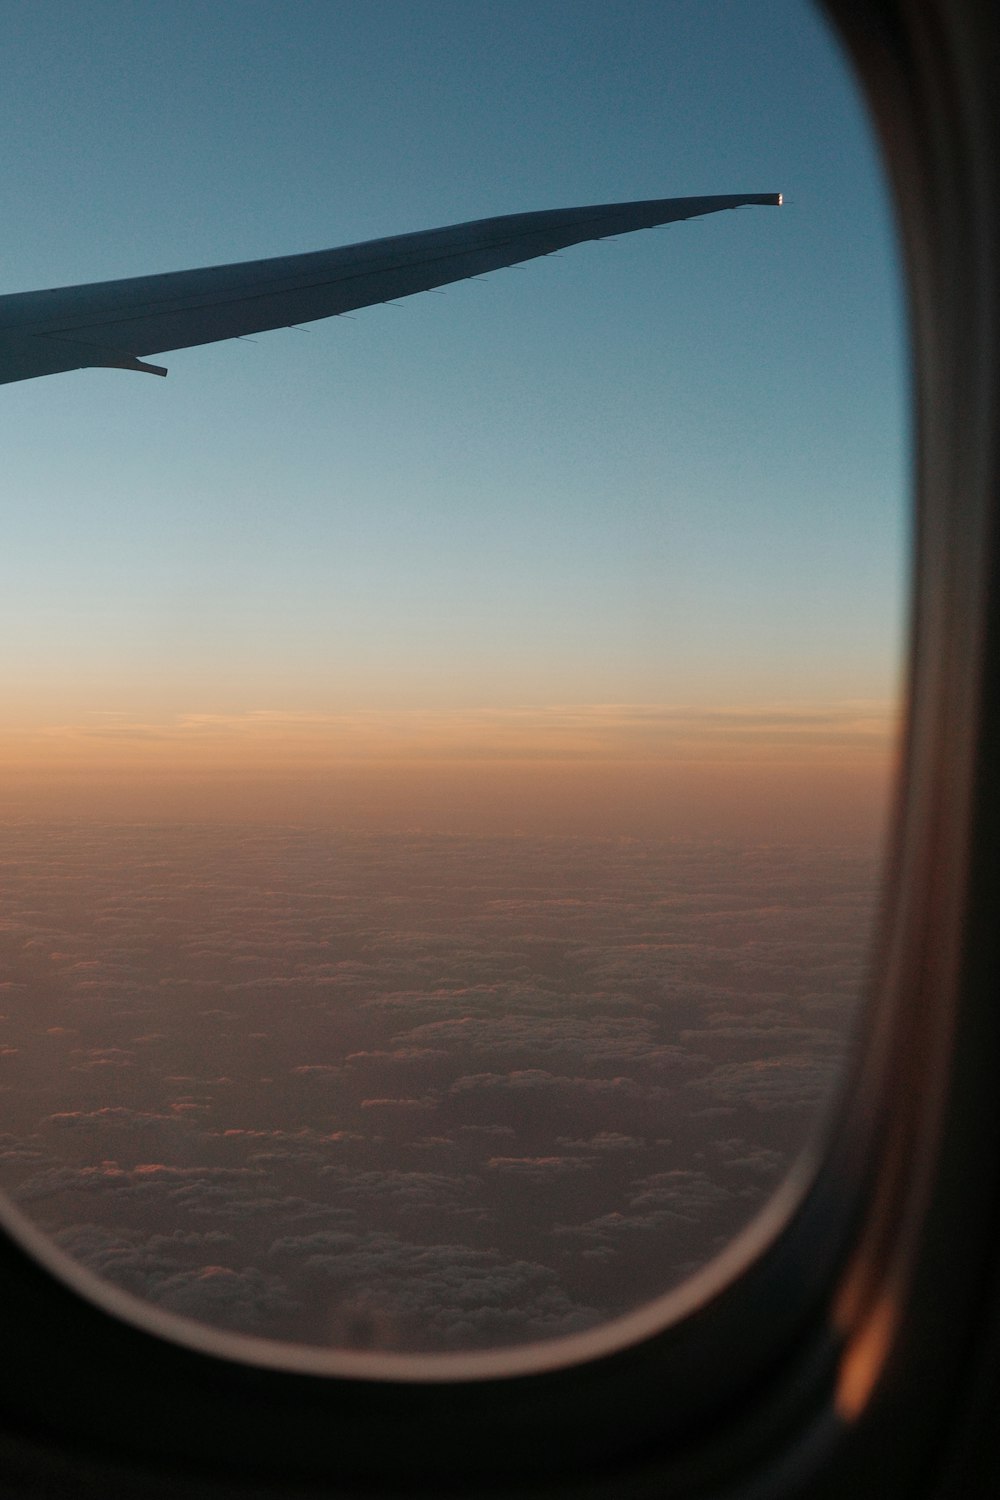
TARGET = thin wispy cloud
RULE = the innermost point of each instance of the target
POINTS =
(587, 731)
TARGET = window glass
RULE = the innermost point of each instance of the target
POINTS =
(446, 752)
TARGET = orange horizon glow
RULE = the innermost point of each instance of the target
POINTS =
(809, 770)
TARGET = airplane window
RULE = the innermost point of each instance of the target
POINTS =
(446, 752)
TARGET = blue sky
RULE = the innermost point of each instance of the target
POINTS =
(668, 470)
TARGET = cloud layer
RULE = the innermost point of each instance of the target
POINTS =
(409, 1091)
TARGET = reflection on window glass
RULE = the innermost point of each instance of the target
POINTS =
(446, 755)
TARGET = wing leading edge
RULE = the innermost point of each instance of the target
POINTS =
(115, 323)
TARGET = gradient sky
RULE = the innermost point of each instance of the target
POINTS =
(638, 506)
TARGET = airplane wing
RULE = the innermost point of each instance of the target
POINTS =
(114, 323)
